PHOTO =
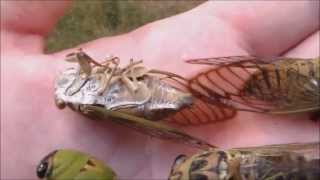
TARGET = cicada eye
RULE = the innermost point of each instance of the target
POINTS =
(179, 159)
(44, 168)
(60, 103)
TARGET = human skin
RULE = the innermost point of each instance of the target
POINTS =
(32, 126)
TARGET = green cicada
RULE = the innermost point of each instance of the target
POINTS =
(136, 97)
(271, 162)
(73, 165)
(278, 86)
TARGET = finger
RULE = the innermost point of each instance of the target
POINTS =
(270, 27)
(309, 48)
(31, 16)
(24, 23)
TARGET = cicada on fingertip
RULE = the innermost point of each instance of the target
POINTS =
(268, 85)
(73, 165)
(136, 97)
(271, 162)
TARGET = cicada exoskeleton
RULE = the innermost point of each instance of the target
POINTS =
(136, 97)
(271, 162)
(279, 85)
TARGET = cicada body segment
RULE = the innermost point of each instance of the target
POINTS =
(284, 85)
(73, 165)
(273, 162)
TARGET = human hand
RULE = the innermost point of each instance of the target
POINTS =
(32, 126)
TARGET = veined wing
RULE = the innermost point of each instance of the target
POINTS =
(286, 161)
(154, 129)
(201, 111)
(253, 84)
(302, 148)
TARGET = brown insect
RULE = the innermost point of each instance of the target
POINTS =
(271, 162)
(277, 86)
(136, 97)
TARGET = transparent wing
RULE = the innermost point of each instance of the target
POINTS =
(293, 147)
(154, 129)
(201, 111)
(253, 84)
(286, 161)
(303, 94)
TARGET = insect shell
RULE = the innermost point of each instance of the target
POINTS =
(132, 96)
(272, 162)
(282, 86)
(70, 164)
(131, 89)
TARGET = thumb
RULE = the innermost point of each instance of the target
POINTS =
(25, 23)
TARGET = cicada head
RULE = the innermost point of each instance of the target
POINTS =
(70, 164)
(205, 165)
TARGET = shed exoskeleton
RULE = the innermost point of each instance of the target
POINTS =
(133, 96)
(271, 162)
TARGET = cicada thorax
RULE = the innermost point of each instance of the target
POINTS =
(284, 85)
(287, 161)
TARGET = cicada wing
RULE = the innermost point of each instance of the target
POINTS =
(246, 83)
(286, 161)
(281, 90)
(154, 129)
(220, 61)
(294, 147)
(224, 82)
(303, 94)
(201, 111)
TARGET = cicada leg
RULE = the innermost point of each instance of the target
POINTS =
(108, 74)
(128, 73)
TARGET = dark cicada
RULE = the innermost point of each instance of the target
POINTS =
(272, 162)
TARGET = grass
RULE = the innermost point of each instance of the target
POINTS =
(89, 20)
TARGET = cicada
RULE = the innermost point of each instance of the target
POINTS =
(136, 97)
(271, 162)
(279, 85)
(73, 165)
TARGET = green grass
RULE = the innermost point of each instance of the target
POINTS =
(89, 20)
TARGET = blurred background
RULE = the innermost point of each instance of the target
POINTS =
(89, 20)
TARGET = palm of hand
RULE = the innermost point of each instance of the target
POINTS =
(32, 126)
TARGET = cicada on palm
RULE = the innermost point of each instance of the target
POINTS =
(271, 162)
(73, 165)
(278, 86)
(136, 97)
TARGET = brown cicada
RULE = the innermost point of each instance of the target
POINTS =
(277, 86)
(136, 97)
(272, 162)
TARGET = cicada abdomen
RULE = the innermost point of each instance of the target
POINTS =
(284, 85)
(272, 162)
